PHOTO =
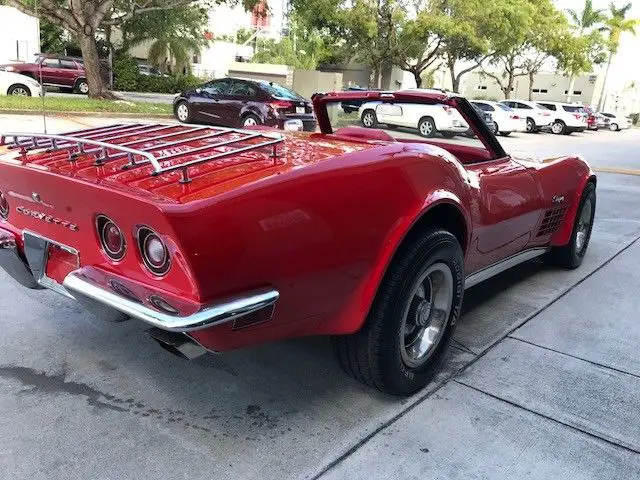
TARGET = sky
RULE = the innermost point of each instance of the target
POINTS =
(625, 67)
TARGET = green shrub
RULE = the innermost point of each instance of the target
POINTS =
(125, 73)
(127, 78)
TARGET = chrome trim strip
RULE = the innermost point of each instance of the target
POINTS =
(221, 312)
(499, 267)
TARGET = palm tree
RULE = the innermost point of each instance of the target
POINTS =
(616, 25)
(173, 50)
(583, 22)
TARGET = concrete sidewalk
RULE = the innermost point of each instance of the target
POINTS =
(557, 398)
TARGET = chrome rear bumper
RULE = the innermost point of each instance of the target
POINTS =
(111, 305)
(89, 294)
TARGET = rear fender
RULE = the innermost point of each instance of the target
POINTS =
(352, 321)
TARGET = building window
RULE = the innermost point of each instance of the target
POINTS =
(481, 87)
(577, 92)
(540, 90)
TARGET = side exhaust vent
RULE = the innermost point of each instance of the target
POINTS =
(552, 220)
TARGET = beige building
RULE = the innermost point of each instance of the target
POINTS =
(546, 86)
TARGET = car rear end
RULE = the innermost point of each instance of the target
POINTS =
(508, 119)
(96, 224)
(285, 107)
(543, 116)
(449, 120)
(575, 117)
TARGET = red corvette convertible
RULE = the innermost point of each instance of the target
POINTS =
(221, 238)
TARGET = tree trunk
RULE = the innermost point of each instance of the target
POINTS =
(531, 75)
(604, 83)
(455, 82)
(89, 48)
(418, 78)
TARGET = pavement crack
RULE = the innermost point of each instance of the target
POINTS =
(41, 382)
(591, 362)
(421, 399)
(542, 415)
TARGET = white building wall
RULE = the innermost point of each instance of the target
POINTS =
(19, 36)
(546, 86)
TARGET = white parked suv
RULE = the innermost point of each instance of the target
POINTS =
(567, 117)
(617, 123)
(505, 119)
(16, 84)
(427, 119)
(537, 117)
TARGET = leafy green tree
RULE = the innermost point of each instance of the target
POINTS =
(529, 38)
(85, 19)
(302, 48)
(615, 25)
(173, 36)
(586, 23)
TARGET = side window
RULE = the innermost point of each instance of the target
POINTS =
(243, 89)
(218, 87)
(51, 63)
(485, 106)
(68, 64)
(523, 105)
(509, 104)
(550, 106)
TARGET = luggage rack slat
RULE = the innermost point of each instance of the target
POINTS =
(104, 151)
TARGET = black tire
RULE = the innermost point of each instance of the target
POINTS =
(531, 125)
(505, 134)
(571, 255)
(374, 355)
(249, 120)
(81, 86)
(182, 111)
(427, 127)
(496, 129)
(19, 89)
(559, 127)
(614, 127)
(369, 119)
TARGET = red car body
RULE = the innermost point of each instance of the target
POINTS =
(310, 231)
(66, 73)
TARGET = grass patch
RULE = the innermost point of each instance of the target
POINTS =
(59, 104)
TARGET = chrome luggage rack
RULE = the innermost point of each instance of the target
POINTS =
(100, 141)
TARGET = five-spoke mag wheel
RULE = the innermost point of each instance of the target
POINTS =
(409, 327)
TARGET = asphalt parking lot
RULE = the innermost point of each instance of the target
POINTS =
(543, 381)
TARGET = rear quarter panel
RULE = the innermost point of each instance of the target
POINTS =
(322, 236)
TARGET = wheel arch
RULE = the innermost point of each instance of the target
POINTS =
(563, 236)
(445, 212)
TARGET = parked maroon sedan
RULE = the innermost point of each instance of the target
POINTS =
(239, 102)
(66, 73)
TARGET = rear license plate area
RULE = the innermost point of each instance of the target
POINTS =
(300, 110)
(48, 260)
(60, 262)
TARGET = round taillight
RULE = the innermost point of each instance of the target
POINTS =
(155, 254)
(111, 238)
(4, 206)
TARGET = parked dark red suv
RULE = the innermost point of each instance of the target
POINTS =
(66, 73)
(239, 102)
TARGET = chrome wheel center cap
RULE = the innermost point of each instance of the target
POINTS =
(423, 313)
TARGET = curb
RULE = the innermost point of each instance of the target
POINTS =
(86, 114)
